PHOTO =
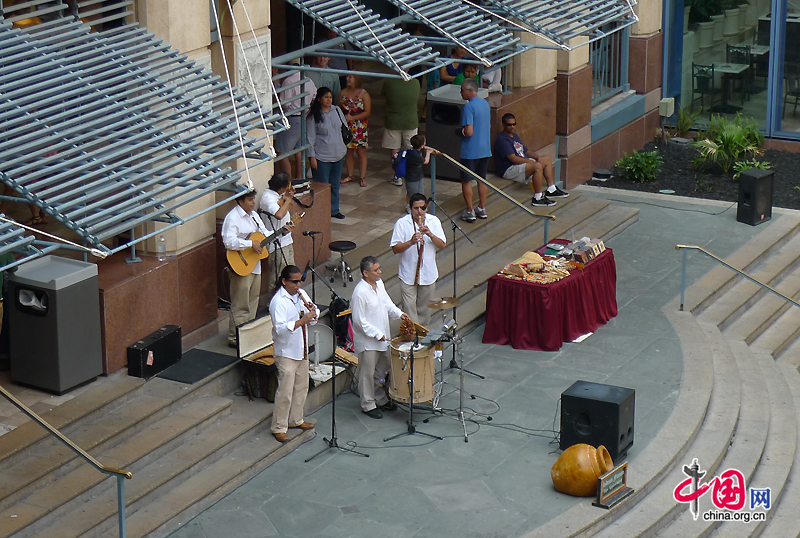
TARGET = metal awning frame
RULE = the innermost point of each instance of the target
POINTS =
(502, 11)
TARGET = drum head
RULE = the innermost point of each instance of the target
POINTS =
(326, 348)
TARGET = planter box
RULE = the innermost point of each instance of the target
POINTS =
(731, 24)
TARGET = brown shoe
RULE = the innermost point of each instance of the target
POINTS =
(282, 437)
(305, 426)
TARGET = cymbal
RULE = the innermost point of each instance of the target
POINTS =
(444, 303)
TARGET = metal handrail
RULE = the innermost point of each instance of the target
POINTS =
(119, 473)
(687, 248)
(546, 218)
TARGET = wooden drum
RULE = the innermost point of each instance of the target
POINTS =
(401, 372)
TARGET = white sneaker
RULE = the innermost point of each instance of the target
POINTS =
(481, 213)
(396, 181)
(468, 216)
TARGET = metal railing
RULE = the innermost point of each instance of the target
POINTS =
(545, 218)
(609, 60)
(119, 473)
(687, 248)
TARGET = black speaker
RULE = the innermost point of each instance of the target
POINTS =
(755, 196)
(597, 415)
(156, 352)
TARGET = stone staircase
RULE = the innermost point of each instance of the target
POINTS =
(505, 236)
(186, 445)
(738, 406)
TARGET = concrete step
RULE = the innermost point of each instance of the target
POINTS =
(717, 281)
(783, 516)
(747, 445)
(51, 503)
(670, 447)
(777, 461)
(782, 333)
(115, 390)
(775, 270)
(658, 509)
(200, 491)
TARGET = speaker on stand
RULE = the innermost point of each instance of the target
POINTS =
(597, 415)
(755, 196)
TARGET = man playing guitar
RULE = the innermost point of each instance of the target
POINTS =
(239, 224)
(275, 203)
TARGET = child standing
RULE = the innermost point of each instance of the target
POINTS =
(418, 156)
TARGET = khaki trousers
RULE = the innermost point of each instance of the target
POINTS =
(415, 301)
(290, 398)
(244, 301)
(372, 367)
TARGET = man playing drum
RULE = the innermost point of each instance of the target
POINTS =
(372, 308)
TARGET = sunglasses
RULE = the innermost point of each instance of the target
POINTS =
(422, 207)
(294, 281)
(510, 124)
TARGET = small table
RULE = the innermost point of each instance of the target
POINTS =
(728, 69)
(544, 316)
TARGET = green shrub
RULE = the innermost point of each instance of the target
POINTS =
(725, 141)
(686, 120)
(741, 166)
(640, 166)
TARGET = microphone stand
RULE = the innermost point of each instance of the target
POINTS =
(333, 441)
(453, 363)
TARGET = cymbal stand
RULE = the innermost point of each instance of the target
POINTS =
(455, 226)
(457, 341)
(412, 428)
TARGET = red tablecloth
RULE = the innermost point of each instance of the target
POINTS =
(543, 316)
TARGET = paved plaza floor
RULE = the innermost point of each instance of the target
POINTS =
(497, 484)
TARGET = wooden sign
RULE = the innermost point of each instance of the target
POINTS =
(612, 487)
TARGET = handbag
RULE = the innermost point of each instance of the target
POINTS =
(347, 134)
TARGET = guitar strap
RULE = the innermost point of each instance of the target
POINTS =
(301, 204)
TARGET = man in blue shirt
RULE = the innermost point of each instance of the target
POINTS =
(476, 148)
(513, 160)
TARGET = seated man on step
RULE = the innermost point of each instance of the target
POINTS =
(513, 160)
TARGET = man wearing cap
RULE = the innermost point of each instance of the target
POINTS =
(241, 222)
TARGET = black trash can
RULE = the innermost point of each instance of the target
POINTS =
(54, 304)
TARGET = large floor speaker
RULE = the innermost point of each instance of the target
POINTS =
(755, 196)
(597, 415)
(156, 352)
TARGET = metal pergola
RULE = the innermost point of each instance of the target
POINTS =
(560, 21)
(106, 128)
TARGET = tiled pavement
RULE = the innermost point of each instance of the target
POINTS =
(498, 483)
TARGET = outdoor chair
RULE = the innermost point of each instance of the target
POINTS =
(703, 84)
(739, 55)
(791, 91)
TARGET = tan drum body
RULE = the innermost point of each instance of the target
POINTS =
(401, 372)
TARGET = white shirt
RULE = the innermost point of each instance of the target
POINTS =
(270, 202)
(237, 226)
(289, 93)
(371, 312)
(428, 272)
(287, 340)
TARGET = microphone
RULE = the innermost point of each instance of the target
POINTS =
(305, 271)
(309, 232)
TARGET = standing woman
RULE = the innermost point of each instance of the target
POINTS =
(357, 106)
(326, 154)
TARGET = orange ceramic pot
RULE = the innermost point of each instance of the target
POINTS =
(576, 471)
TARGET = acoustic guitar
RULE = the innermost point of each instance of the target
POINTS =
(243, 262)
